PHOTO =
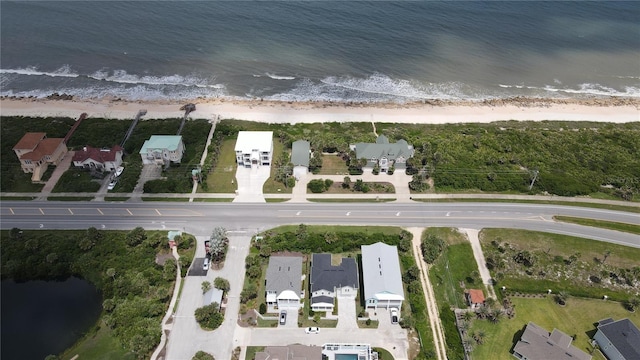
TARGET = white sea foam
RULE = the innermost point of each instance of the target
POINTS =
(122, 77)
(278, 77)
(64, 71)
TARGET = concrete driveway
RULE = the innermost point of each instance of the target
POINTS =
(347, 317)
(250, 183)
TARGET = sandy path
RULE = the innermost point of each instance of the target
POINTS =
(485, 275)
(429, 297)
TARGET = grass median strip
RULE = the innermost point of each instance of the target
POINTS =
(611, 225)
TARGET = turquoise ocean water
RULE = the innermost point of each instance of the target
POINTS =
(374, 51)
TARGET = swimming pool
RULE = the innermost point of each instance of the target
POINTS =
(346, 356)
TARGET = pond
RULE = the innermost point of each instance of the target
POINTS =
(46, 317)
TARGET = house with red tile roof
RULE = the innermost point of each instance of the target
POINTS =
(475, 298)
(98, 159)
(36, 152)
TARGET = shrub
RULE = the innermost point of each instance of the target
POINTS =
(317, 186)
(201, 355)
(209, 317)
(432, 246)
(263, 309)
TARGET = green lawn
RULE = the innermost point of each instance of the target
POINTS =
(99, 345)
(320, 229)
(633, 209)
(611, 225)
(576, 318)
(222, 178)
(75, 180)
(251, 352)
(333, 165)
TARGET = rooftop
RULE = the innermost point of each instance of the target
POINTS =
(254, 140)
(624, 335)
(300, 153)
(382, 148)
(476, 296)
(158, 142)
(284, 273)
(381, 270)
(29, 141)
(98, 155)
(45, 147)
(537, 343)
(324, 276)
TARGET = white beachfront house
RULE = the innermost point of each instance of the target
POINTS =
(381, 276)
(162, 150)
(254, 148)
(283, 283)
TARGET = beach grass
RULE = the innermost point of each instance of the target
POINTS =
(99, 344)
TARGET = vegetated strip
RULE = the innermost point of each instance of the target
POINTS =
(611, 225)
(16, 198)
(167, 199)
(69, 198)
(116, 198)
(633, 209)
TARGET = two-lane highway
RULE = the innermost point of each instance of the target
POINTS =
(199, 218)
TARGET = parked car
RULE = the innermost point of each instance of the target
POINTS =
(112, 184)
(119, 171)
(394, 316)
(205, 264)
(312, 330)
(283, 317)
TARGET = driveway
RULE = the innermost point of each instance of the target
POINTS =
(347, 313)
(250, 183)
(149, 172)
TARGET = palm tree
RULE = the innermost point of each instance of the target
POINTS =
(494, 315)
(206, 286)
(561, 297)
(468, 316)
(479, 337)
(633, 303)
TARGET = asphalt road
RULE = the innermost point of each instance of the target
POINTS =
(200, 218)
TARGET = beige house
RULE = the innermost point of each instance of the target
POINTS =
(36, 152)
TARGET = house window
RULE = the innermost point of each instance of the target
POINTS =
(27, 162)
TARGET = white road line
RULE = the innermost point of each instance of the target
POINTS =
(130, 213)
(298, 213)
(41, 212)
(70, 212)
(12, 213)
(100, 211)
(348, 213)
(398, 213)
(158, 212)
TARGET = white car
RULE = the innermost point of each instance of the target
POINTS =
(112, 184)
(205, 264)
(394, 316)
(119, 171)
(312, 330)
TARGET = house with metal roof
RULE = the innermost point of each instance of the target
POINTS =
(381, 276)
(214, 295)
(618, 340)
(328, 281)
(254, 148)
(537, 343)
(383, 153)
(162, 150)
(283, 283)
(300, 151)
(36, 152)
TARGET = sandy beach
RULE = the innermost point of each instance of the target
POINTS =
(616, 110)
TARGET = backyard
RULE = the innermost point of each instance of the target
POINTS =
(576, 318)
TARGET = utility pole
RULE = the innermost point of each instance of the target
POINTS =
(535, 176)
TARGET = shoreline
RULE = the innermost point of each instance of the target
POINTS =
(610, 109)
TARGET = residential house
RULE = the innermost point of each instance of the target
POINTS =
(475, 298)
(300, 151)
(254, 148)
(98, 159)
(214, 295)
(381, 276)
(162, 150)
(283, 284)
(383, 153)
(537, 343)
(618, 340)
(329, 281)
(36, 152)
(291, 352)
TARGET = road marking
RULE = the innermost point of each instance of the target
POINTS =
(70, 212)
(12, 213)
(42, 212)
(100, 211)
(448, 213)
(398, 213)
(158, 212)
(298, 213)
(103, 226)
(41, 226)
(130, 213)
(348, 213)
(163, 227)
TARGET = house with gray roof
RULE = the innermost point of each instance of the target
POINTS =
(618, 340)
(537, 343)
(383, 153)
(381, 277)
(328, 281)
(300, 151)
(162, 150)
(283, 284)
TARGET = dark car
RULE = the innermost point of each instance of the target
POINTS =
(283, 317)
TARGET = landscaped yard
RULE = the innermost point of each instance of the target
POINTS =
(532, 262)
(576, 318)
(271, 186)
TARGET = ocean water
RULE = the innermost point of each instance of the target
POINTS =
(377, 51)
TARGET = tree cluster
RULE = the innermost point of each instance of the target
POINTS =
(209, 316)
